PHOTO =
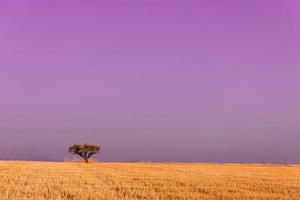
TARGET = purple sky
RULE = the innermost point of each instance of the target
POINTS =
(209, 81)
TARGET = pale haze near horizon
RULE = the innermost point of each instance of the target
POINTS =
(188, 81)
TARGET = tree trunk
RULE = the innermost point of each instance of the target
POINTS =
(86, 160)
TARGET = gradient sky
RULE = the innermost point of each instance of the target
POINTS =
(172, 80)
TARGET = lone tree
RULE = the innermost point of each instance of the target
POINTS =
(84, 150)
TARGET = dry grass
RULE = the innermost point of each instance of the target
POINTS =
(41, 180)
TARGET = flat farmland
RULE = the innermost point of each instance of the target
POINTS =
(77, 181)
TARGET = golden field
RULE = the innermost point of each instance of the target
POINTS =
(74, 181)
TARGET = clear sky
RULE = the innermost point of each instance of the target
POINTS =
(172, 80)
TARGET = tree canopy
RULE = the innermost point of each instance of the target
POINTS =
(84, 150)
